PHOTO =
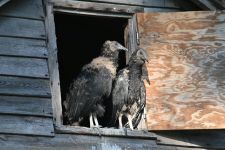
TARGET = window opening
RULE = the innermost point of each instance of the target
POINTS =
(79, 40)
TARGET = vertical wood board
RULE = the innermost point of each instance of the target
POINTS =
(186, 69)
(53, 65)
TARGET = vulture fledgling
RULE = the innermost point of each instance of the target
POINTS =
(128, 94)
(93, 85)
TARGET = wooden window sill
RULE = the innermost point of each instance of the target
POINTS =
(105, 132)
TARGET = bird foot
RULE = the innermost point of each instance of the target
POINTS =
(97, 128)
(130, 129)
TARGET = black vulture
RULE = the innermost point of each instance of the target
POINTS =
(128, 94)
(93, 84)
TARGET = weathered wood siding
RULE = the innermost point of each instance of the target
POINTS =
(186, 69)
(146, 5)
(74, 142)
(25, 105)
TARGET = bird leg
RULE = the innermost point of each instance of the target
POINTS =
(96, 121)
(130, 121)
(96, 126)
(120, 121)
(91, 120)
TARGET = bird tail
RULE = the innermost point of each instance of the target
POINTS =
(136, 119)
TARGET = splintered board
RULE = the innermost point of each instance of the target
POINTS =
(186, 69)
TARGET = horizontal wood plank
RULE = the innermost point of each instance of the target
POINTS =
(24, 8)
(103, 7)
(171, 147)
(27, 67)
(127, 2)
(150, 9)
(22, 28)
(24, 86)
(25, 106)
(78, 142)
(143, 3)
(23, 47)
(26, 125)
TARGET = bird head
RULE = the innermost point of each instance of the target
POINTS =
(112, 48)
(139, 56)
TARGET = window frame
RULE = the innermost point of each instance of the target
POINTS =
(68, 7)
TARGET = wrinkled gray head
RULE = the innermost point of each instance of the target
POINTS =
(139, 56)
(112, 48)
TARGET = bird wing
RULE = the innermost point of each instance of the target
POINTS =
(140, 107)
(86, 91)
(119, 94)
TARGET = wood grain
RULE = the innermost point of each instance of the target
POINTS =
(106, 132)
(53, 65)
(26, 67)
(25, 106)
(24, 86)
(24, 28)
(74, 142)
(97, 7)
(26, 125)
(23, 47)
(186, 69)
(145, 3)
(24, 9)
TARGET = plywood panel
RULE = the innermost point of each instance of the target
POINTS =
(186, 69)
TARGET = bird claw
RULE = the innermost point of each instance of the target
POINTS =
(97, 128)
(130, 129)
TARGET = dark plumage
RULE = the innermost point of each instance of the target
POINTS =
(128, 94)
(92, 86)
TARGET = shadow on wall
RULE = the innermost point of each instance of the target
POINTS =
(207, 139)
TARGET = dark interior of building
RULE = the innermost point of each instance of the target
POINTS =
(79, 40)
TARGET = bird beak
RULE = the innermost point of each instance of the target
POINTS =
(146, 60)
(148, 81)
(120, 47)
